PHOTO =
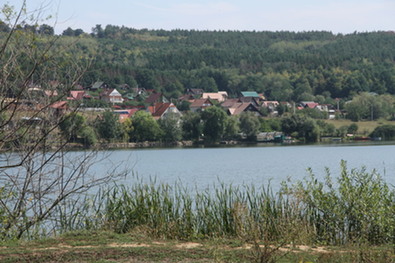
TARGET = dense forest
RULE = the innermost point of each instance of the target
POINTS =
(285, 66)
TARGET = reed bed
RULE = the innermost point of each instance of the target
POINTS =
(356, 207)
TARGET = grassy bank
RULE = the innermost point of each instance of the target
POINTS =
(364, 127)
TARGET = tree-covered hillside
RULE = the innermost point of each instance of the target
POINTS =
(286, 66)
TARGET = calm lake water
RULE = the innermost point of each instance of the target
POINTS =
(205, 167)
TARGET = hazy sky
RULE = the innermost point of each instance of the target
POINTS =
(338, 16)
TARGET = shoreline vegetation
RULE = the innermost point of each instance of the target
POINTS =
(348, 216)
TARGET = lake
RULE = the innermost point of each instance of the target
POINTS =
(257, 165)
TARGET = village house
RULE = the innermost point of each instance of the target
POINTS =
(78, 95)
(123, 86)
(112, 96)
(125, 113)
(199, 105)
(240, 107)
(309, 104)
(219, 96)
(138, 91)
(229, 103)
(271, 105)
(98, 85)
(252, 94)
(156, 97)
(59, 108)
(195, 93)
(329, 109)
(162, 110)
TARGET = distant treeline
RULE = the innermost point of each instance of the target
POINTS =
(285, 66)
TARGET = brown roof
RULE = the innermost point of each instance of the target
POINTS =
(229, 103)
(201, 103)
(77, 94)
(240, 107)
(153, 97)
(159, 109)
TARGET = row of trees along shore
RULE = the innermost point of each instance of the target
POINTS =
(210, 126)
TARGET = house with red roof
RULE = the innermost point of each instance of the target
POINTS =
(125, 113)
(162, 110)
(309, 104)
(59, 107)
(78, 95)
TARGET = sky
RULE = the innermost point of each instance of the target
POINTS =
(337, 16)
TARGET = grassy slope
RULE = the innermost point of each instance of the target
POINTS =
(111, 247)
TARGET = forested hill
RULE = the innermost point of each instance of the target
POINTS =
(283, 65)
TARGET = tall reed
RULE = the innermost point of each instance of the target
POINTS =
(357, 207)
(224, 211)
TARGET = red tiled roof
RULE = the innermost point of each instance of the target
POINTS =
(126, 113)
(311, 105)
(160, 108)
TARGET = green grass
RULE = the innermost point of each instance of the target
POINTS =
(364, 127)
(105, 246)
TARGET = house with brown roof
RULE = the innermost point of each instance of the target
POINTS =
(162, 110)
(196, 93)
(156, 97)
(240, 107)
(229, 103)
(198, 105)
